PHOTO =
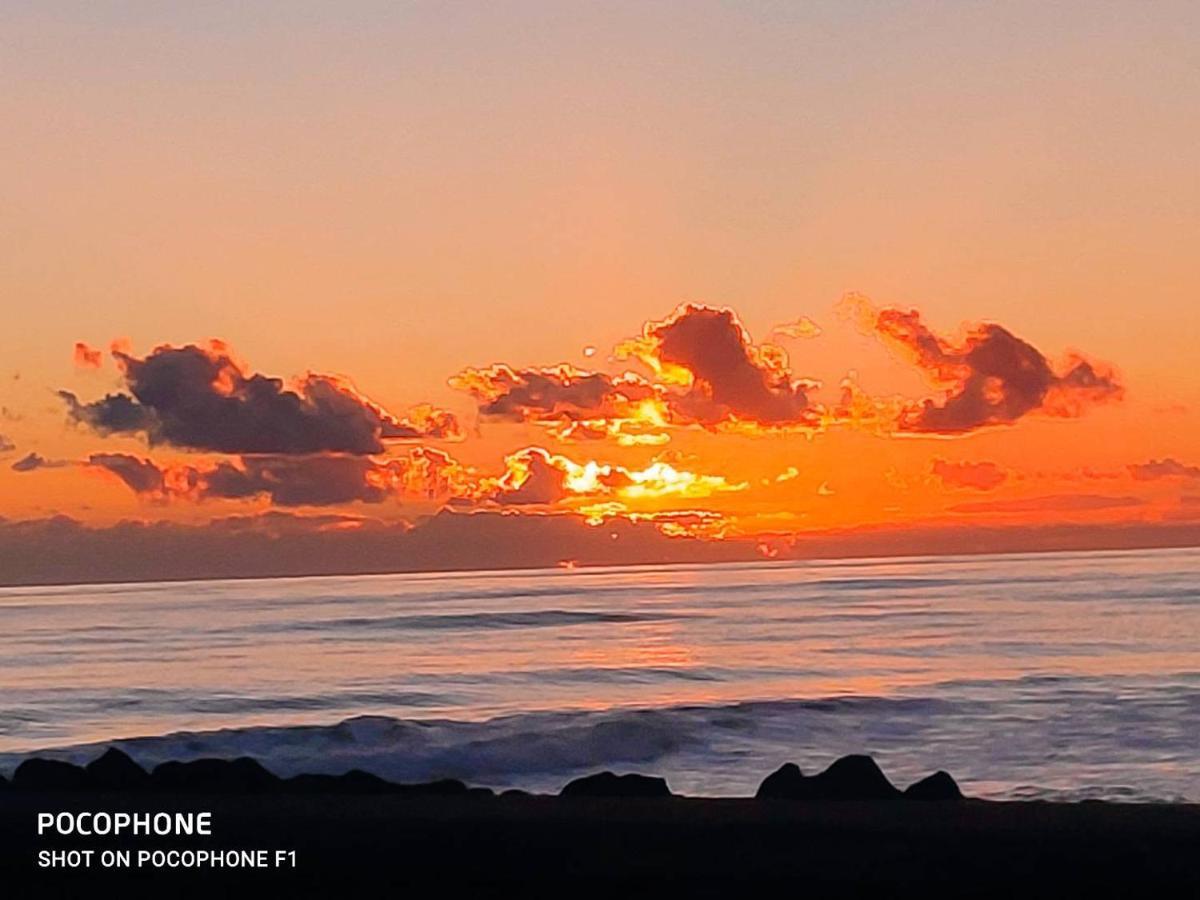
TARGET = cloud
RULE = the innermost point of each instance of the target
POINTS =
(62, 550)
(547, 394)
(139, 475)
(86, 357)
(573, 404)
(704, 370)
(420, 475)
(199, 398)
(1162, 468)
(531, 477)
(6, 445)
(289, 481)
(297, 481)
(1051, 503)
(725, 376)
(534, 476)
(982, 476)
(990, 377)
(32, 461)
(803, 327)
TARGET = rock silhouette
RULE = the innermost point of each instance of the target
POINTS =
(356, 781)
(849, 778)
(606, 784)
(938, 786)
(241, 775)
(49, 775)
(114, 770)
(855, 777)
(786, 782)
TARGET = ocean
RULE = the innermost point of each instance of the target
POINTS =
(1057, 676)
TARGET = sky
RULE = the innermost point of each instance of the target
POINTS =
(383, 283)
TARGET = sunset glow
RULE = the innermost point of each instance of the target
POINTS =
(840, 322)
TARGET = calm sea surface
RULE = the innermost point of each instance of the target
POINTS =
(1057, 675)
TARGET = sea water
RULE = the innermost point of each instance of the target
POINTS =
(1062, 675)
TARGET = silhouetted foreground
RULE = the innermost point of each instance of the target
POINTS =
(845, 829)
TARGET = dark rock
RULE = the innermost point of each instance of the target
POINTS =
(854, 777)
(355, 781)
(785, 783)
(49, 775)
(849, 778)
(606, 784)
(446, 787)
(938, 786)
(242, 775)
(115, 770)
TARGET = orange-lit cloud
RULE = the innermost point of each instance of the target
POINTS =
(1051, 503)
(574, 403)
(535, 476)
(722, 377)
(989, 377)
(86, 357)
(982, 476)
(803, 327)
(703, 370)
(695, 378)
(199, 398)
(1162, 468)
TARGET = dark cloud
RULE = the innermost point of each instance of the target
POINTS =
(1163, 468)
(284, 480)
(731, 378)
(32, 461)
(1050, 503)
(6, 445)
(199, 398)
(319, 480)
(114, 414)
(141, 475)
(982, 476)
(992, 376)
(298, 481)
(548, 394)
(531, 479)
(62, 550)
(705, 371)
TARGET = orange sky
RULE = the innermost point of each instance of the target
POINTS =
(399, 197)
